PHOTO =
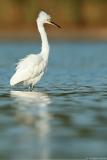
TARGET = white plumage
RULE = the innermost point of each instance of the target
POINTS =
(30, 69)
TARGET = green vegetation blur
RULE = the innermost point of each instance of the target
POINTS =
(75, 13)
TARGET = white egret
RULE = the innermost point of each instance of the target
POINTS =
(30, 69)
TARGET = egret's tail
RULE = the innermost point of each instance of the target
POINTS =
(14, 80)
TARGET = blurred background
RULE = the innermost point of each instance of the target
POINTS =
(78, 18)
(65, 117)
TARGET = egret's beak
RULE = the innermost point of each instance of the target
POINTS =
(53, 23)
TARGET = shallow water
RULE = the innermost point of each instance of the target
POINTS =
(66, 114)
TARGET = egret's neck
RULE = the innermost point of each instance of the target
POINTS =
(45, 45)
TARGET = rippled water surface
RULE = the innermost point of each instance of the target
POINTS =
(66, 114)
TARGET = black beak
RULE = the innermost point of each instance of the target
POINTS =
(55, 24)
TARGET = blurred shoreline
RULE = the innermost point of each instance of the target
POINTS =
(80, 19)
(66, 34)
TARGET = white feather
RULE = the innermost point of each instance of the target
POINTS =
(28, 69)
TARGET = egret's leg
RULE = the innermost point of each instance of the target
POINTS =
(30, 87)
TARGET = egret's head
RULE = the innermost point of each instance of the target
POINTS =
(45, 18)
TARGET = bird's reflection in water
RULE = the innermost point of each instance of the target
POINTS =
(32, 110)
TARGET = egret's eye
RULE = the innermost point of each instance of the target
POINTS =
(48, 20)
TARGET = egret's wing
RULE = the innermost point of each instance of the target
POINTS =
(28, 60)
(26, 69)
(21, 76)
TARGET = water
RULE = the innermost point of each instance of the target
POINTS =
(66, 114)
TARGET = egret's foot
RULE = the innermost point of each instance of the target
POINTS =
(31, 88)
